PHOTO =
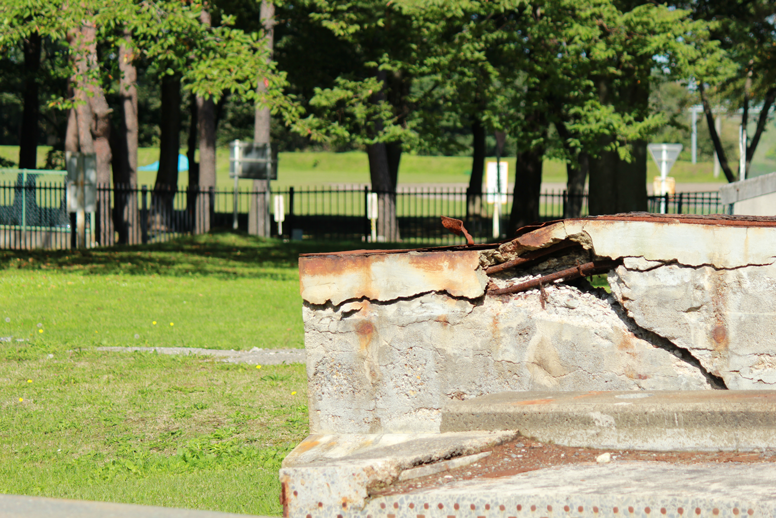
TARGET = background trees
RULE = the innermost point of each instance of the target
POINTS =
(589, 82)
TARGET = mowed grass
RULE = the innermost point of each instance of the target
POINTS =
(145, 428)
(225, 291)
(178, 431)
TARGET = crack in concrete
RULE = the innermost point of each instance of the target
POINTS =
(654, 339)
(693, 266)
(475, 302)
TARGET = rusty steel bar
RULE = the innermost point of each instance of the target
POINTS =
(530, 256)
(574, 272)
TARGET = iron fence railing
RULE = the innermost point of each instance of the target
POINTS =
(34, 214)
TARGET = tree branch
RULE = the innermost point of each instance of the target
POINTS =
(770, 97)
(731, 177)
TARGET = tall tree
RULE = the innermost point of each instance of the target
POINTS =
(741, 70)
(258, 219)
(28, 138)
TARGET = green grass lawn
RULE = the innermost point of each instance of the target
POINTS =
(323, 168)
(146, 428)
(222, 291)
(140, 427)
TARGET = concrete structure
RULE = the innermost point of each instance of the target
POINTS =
(741, 420)
(752, 197)
(399, 341)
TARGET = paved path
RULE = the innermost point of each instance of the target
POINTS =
(254, 356)
(13, 506)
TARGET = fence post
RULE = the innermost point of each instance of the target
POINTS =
(290, 223)
(367, 226)
(679, 204)
(144, 214)
(212, 205)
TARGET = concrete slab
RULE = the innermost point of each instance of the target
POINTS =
(16, 506)
(634, 489)
(655, 420)
(326, 471)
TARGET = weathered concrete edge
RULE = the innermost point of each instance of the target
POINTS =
(20, 506)
(336, 472)
(385, 277)
(695, 420)
(748, 189)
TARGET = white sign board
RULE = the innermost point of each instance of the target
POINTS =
(253, 160)
(496, 176)
(76, 162)
(372, 206)
(665, 156)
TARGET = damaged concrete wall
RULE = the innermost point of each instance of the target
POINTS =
(392, 337)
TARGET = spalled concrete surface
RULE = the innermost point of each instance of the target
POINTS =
(411, 342)
(722, 317)
(655, 420)
(386, 276)
(392, 366)
(690, 309)
(16, 506)
(329, 473)
(254, 356)
(616, 490)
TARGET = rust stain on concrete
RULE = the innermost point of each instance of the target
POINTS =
(365, 330)
(385, 277)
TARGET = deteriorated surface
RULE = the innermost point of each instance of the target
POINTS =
(392, 337)
(742, 420)
(384, 277)
(526, 454)
(391, 366)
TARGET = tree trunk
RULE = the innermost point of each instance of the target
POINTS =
(602, 198)
(528, 184)
(258, 218)
(71, 133)
(191, 154)
(169, 147)
(721, 157)
(474, 192)
(28, 139)
(382, 184)
(632, 180)
(207, 160)
(126, 217)
(575, 186)
(770, 97)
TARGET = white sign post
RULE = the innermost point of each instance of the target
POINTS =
(496, 176)
(280, 212)
(372, 212)
(665, 156)
(81, 190)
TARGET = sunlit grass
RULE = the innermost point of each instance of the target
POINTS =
(145, 428)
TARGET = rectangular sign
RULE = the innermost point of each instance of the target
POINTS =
(494, 174)
(253, 161)
(88, 163)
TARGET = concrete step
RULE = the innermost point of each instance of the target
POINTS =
(617, 490)
(724, 420)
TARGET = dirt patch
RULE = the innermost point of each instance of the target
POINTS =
(526, 454)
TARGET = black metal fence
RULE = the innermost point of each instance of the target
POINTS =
(34, 215)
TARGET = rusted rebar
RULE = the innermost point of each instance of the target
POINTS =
(530, 256)
(575, 272)
(456, 227)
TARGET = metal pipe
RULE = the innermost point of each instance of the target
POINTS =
(575, 272)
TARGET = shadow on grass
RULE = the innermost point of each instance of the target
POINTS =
(219, 255)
